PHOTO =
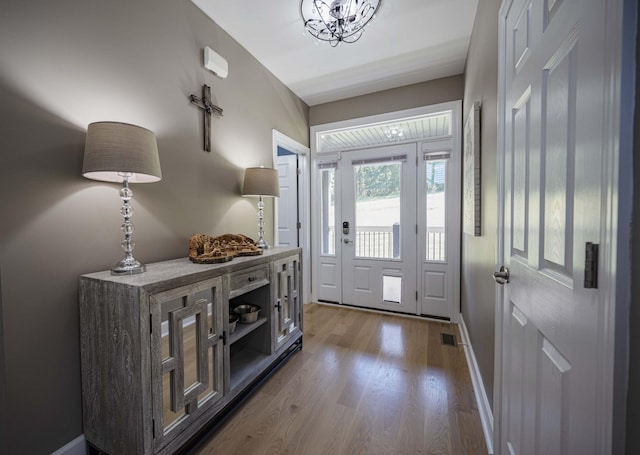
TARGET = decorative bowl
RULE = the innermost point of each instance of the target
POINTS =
(248, 313)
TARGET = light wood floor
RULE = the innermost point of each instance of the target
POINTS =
(364, 383)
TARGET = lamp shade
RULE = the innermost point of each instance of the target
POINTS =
(114, 148)
(260, 181)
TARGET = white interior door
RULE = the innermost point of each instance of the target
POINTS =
(282, 142)
(287, 166)
(378, 228)
(552, 325)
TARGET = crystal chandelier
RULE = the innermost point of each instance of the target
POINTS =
(337, 21)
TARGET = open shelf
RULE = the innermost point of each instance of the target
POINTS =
(245, 363)
(245, 329)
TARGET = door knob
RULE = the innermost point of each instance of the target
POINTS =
(501, 277)
(345, 240)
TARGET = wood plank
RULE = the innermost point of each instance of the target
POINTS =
(363, 383)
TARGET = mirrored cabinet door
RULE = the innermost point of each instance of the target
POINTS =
(286, 299)
(187, 354)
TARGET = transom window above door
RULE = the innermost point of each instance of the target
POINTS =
(432, 126)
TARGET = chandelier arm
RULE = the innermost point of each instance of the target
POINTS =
(327, 25)
(348, 39)
(347, 14)
(360, 26)
(314, 29)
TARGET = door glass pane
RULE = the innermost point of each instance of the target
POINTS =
(436, 182)
(169, 416)
(286, 299)
(327, 211)
(184, 319)
(377, 214)
(190, 352)
(209, 391)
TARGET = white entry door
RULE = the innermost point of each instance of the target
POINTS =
(386, 230)
(554, 92)
(377, 228)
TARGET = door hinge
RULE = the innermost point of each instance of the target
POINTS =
(416, 229)
(591, 266)
(223, 337)
(299, 171)
(153, 428)
(299, 225)
(150, 323)
(416, 296)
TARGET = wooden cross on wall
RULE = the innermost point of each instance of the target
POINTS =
(205, 104)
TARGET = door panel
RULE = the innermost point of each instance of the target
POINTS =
(287, 166)
(553, 411)
(553, 94)
(516, 334)
(559, 104)
(520, 183)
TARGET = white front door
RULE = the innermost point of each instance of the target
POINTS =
(377, 228)
(553, 91)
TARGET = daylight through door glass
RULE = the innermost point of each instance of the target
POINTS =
(436, 187)
(327, 210)
(377, 209)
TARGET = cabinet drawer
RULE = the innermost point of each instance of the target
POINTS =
(245, 281)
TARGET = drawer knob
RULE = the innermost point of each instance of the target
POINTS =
(253, 278)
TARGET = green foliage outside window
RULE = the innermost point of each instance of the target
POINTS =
(435, 177)
(377, 181)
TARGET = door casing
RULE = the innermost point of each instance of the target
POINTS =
(282, 140)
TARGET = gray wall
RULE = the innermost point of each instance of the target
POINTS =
(392, 100)
(64, 65)
(479, 253)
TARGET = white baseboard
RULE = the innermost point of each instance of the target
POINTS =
(76, 447)
(486, 416)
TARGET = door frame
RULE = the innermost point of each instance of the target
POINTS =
(614, 275)
(304, 214)
(318, 130)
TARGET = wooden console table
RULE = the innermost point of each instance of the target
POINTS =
(158, 360)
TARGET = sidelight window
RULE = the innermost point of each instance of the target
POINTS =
(436, 189)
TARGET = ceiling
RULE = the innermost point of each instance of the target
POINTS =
(409, 41)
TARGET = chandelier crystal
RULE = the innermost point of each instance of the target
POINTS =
(337, 21)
